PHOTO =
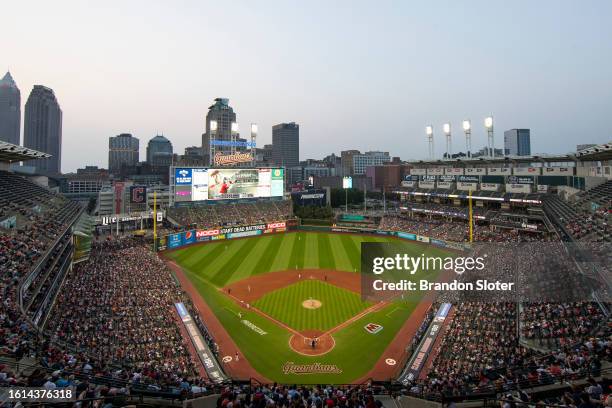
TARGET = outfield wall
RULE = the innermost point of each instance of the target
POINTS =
(195, 236)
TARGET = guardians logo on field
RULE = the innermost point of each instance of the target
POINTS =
(315, 368)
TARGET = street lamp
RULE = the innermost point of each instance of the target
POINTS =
(429, 132)
(447, 131)
(467, 129)
(488, 122)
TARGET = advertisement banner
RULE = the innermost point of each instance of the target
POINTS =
(138, 194)
(499, 171)
(467, 186)
(418, 359)
(526, 171)
(427, 184)
(188, 237)
(438, 242)
(489, 186)
(518, 188)
(243, 234)
(475, 171)
(202, 184)
(406, 235)
(182, 176)
(422, 238)
(455, 171)
(558, 171)
(521, 180)
(447, 178)
(174, 240)
(437, 171)
(418, 172)
(468, 179)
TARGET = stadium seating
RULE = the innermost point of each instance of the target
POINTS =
(220, 215)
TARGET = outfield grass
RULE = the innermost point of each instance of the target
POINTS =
(337, 305)
(216, 264)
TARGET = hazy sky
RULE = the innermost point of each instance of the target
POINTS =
(363, 75)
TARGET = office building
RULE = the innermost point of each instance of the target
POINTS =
(286, 144)
(42, 129)
(10, 110)
(346, 161)
(223, 133)
(367, 159)
(517, 142)
(159, 151)
(123, 150)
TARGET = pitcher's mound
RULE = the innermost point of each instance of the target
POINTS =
(312, 304)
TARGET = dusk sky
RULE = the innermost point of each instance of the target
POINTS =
(355, 75)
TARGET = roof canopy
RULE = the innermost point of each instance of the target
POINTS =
(13, 153)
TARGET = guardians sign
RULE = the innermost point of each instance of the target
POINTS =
(221, 159)
(314, 368)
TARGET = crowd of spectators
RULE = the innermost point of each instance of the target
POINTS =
(225, 215)
(283, 396)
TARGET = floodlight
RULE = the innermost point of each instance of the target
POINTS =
(213, 125)
(488, 122)
(429, 130)
(254, 128)
(234, 127)
(446, 128)
(466, 125)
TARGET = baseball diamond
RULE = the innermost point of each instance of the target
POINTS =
(302, 289)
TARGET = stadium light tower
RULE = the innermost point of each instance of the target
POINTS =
(449, 148)
(429, 132)
(253, 140)
(467, 129)
(490, 136)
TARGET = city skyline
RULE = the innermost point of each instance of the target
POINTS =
(371, 82)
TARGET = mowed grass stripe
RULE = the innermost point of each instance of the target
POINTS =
(311, 255)
(298, 252)
(249, 263)
(196, 260)
(226, 250)
(341, 258)
(326, 256)
(283, 255)
(227, 269)
(353, 252)
(270, 253)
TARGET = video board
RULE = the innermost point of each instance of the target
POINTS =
(203, 184)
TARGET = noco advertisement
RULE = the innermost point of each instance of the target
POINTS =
(203, 184)
(180, 239)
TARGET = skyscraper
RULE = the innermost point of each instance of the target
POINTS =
(286, 144)
(123, 149)
(223, 134)
(42, 128)
(159, 151)
(517, 142)
(10, 110)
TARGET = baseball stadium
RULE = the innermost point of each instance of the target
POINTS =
(226, 286)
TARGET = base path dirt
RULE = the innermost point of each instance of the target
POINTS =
(240, 369)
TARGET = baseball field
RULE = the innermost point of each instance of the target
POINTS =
(288, 306)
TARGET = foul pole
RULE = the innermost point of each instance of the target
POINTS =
(471, 220)
(154, 221)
